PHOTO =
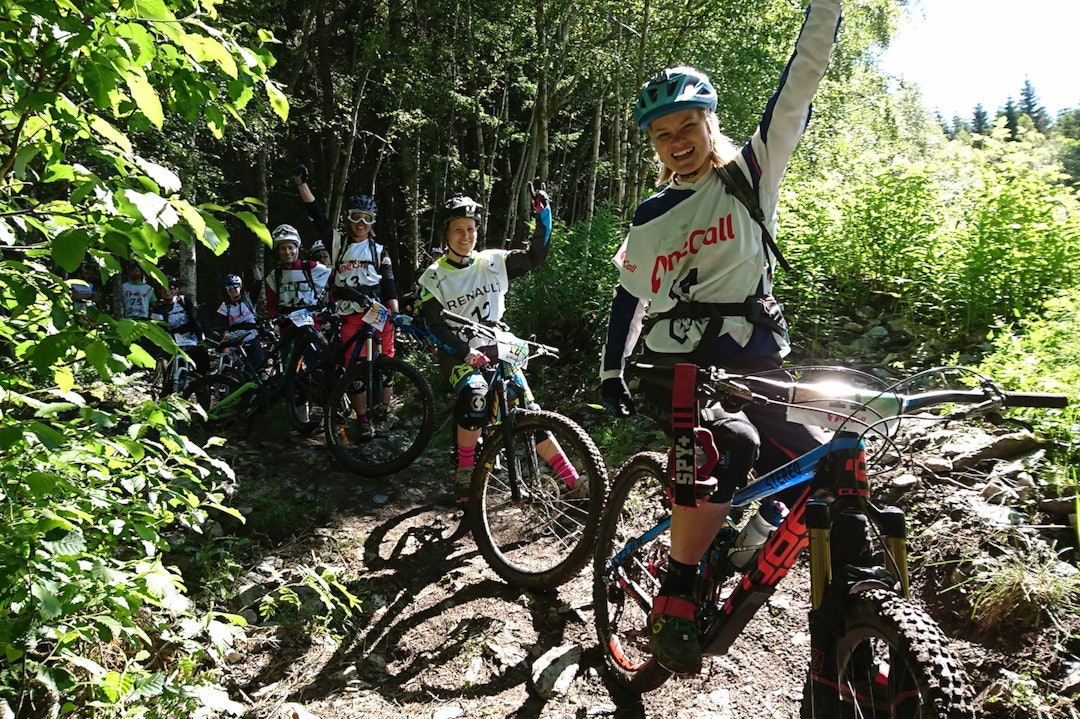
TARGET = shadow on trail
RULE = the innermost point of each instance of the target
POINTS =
(437, 628)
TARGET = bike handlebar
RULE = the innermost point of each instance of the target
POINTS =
(539, 349)
(838, 404)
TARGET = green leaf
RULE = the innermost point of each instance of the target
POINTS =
(166, 179)
(215, 120)
(205, 49)
(98, 354)
(10, 436)
(100, 83)
(145, 97)
(215, 236)
(49, 350)
(64, 543)
(45, 593)
(278, 101)
(191, 215)
(69, 248)
(109, 133)
(153, 10)
(257, 228)
(41, 483)
(48, 436)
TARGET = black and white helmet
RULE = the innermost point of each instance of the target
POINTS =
(461, 206)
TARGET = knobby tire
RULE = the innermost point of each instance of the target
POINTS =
(402, 429)
(302, 386)
(546, 537)
(206, 392)
(623, 592)
(893, 661)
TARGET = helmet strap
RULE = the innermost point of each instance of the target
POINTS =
(454, 253)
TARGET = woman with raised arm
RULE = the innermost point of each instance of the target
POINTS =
(474, 285)
(697, 267)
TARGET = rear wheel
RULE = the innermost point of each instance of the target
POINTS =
(892, 661)
(629, 566)
(401, 409)
(208, 392)
(542, 534)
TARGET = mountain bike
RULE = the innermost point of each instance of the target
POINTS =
(872, 651)
(394, 394)
(229, 400)
(533, 529)
(171, 374)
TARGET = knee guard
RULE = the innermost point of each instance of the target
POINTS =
(738, 443)
(471, 406)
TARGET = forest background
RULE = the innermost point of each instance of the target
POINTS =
(166, 132)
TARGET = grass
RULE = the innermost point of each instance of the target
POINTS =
(1020, 591)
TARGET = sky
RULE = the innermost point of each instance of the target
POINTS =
(968, 52)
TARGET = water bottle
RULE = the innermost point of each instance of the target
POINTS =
(768, 517)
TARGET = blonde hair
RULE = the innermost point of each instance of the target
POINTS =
(723, 149)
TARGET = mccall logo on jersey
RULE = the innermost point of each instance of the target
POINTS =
(720, 232)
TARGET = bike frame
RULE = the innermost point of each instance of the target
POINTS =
(271, 389)
(835, 483)
(501, 414)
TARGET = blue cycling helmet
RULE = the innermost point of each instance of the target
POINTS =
(674, 89)
(363, 203)
(233, 281)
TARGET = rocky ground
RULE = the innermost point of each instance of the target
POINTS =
(437, 635)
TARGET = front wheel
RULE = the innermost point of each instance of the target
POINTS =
(534, 529)
(304, 387)
(630, 564)
(893, 661)
(400, 409)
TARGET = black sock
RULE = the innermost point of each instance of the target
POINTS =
(679, 579)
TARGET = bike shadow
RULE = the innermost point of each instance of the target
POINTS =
(436, 625)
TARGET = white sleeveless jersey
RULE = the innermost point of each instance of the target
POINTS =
(476, 291)
(176, 317)
(357, 268)
(295, 291)
(236, 313)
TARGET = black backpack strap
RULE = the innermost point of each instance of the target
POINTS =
(737, 184)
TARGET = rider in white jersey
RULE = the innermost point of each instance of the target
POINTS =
(695, 277)
(240, 318)
(474, 284)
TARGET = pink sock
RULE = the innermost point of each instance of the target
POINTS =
(466, 456)
(564, 469)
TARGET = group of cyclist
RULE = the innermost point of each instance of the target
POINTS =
(695, 280)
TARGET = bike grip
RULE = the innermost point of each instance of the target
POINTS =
(1045, 400)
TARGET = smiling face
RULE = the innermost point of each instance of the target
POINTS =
(359, 231)
(288, 252)
(461, 236)
(682, 141)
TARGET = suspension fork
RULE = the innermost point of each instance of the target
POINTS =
(504, 414)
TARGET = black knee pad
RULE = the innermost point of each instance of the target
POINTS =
(738, 443)
(471, 406)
